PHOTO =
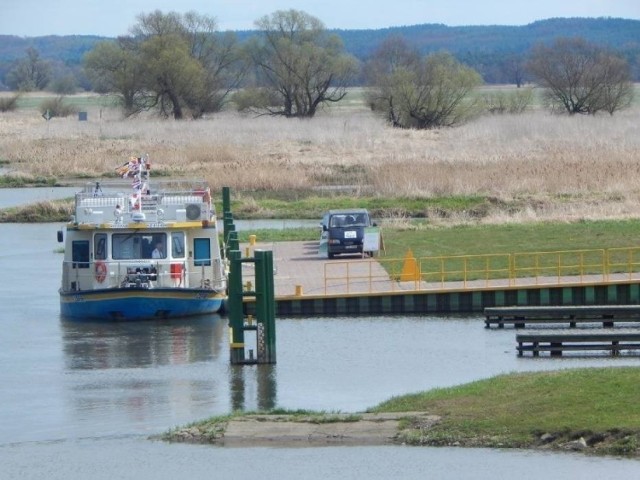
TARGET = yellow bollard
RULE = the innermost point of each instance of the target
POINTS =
(298, 290)
(252, 240)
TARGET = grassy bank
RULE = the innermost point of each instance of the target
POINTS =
(423, 236)
(426, 240)
(40, 212)
(592, 410)
(532, 410)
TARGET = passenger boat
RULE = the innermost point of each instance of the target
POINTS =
(136, 251)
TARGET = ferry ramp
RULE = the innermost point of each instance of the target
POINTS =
(307, 284)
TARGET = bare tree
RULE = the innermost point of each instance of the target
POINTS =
(514, 68)
(30, 73)
(581, 77)
(115, 68)
(415, 92)
(171, 63)
(300, 66)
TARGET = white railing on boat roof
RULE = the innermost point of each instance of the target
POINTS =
(116, 202)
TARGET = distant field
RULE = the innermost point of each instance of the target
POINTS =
(355, 98)
(509, 168)
(33, 100)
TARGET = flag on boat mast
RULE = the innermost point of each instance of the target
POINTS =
(136, 168)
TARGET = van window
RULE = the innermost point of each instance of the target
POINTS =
(349, 220)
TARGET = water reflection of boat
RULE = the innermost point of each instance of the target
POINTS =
(142, 254)
(99, 345)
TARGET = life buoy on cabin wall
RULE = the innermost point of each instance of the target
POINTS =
(101, 271)
(176, 273)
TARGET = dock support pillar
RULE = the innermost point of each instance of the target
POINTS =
(265, 306)
(265, 326)
(235, 308)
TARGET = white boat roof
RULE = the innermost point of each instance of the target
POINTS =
(114, 204)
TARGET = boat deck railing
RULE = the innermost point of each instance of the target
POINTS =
(78, 276)
(115, 205)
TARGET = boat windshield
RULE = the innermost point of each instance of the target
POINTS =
(133, 246)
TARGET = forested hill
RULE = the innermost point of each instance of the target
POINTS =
(482, 47)
(617, 33)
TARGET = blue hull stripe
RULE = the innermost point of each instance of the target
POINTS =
(139, 304)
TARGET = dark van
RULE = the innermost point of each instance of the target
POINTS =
(343, 231)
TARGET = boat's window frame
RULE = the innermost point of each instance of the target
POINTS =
(201, 245)
(177, 245)
(100, 246)
(80, 253)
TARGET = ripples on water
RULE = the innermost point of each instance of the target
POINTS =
(82, 397)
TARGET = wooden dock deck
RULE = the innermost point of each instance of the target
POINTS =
(519, 317)
(556, 344)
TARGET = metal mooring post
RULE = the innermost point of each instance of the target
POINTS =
(234, 307)
(265, 309)
(232, 241)
(227, 219)
(226, 200)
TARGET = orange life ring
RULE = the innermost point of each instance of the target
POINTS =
(101, 271)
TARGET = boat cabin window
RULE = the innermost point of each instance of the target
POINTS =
(134, 246)
(100, 246)
(177, 244)
(80, 253)
(201, 252)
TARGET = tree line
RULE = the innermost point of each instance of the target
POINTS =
(180, 65)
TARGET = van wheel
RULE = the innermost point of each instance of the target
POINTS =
(332, 255)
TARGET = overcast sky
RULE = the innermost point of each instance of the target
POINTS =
(110, 18)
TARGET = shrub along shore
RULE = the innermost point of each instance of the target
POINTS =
(424, 236)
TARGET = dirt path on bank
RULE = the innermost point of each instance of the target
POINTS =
(296, 431)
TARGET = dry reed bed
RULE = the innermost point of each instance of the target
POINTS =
(552, 166)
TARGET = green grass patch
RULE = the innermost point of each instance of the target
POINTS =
(19, 181)
(77, 101)
(426, 241)
(284, 235)
(511, 238)
(548, 410)
(40, 212)
(515, 410)
(299, 205)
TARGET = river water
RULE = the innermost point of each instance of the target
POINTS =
(79, 400)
